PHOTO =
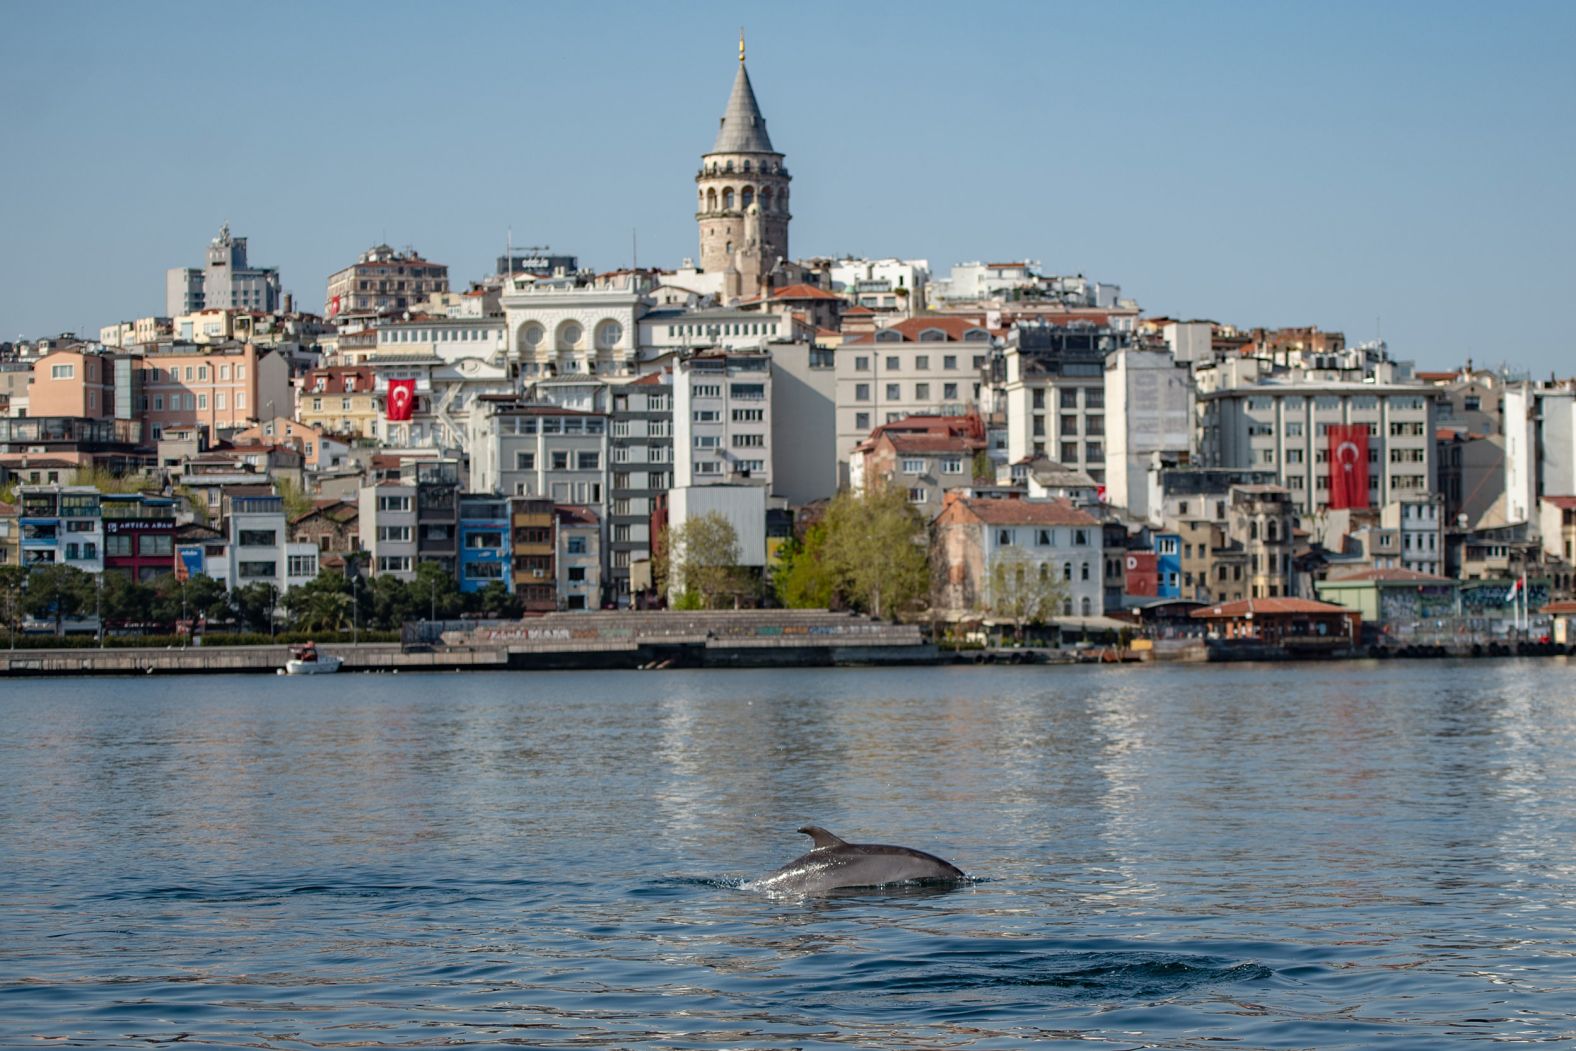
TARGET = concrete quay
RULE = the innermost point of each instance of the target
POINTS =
(657, 638)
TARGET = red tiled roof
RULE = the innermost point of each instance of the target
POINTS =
(650, 379)
(920, 444)
(576, 513)
(1028, 512)
(858, 310)
(911, 328)
(1564, 503)
(1564, 606)
(1242, 607)
(1435, 377)
(803, 292)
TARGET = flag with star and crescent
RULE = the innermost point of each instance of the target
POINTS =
(401, 399)
(1348, 466)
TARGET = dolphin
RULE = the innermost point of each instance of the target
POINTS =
(835, 865)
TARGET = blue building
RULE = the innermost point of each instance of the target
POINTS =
(484, 543)
(1168, 565)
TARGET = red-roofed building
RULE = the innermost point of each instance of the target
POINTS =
(987, 551)
(925, 464)
(1296, 625)
(384, 280)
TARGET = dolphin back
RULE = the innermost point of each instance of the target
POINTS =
(835, 864)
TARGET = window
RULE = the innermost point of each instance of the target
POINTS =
(153, 544)
(916, 495)
(707, 390)
(1069, 398)
(560, 460)
(588, 461)
(861, 421)
(922, 362)
(575, 545)
(922, 391)
(301, 566)
(1045, 537)
(62, 372)
(892, 363)
(577, 574)
(748, 415)
(952, 465)
(1004, 537)
(949, 361)
(394, 534)
(1069, 452)
(749, 441)
(913, 466)
(524, 461)
(258, 570)
(862, 364)
(393, 563)
(861, 392)
(708, 441)
(257, 538)
(393, 503)
(894, 392)
(949, 391)
(706, 415)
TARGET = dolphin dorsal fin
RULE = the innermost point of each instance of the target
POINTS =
(821, 837)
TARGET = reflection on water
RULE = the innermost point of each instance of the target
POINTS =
(1292, 856)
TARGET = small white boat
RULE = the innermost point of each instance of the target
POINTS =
(305, 660)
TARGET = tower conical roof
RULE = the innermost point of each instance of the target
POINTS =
(743, 128)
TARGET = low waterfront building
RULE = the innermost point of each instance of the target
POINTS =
(1292, 624)
(139, 535)
(259, 548)
(925, 464)
(61, 525)
(387, 520)
(332, 526)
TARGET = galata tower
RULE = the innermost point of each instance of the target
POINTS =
(742, 197)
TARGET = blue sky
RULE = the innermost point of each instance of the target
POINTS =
(1397, 167)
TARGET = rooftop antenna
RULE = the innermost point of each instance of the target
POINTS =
(741, 45)
(634, 248)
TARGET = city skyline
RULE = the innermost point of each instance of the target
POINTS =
(1410, 163)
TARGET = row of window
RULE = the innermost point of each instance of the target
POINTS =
(441, 335)
(1044, 537)
(917, 465)
(894, 392)
(715, 416)
(559, 460)
(739, 441)
(1067, 398)
(190, 402)
(553, 425)
(921, 363)
(732, 328)
(746, 467)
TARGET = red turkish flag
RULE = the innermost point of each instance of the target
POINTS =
(1348, 466)
(402, 399)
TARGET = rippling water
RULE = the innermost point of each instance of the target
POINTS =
(1271, 857)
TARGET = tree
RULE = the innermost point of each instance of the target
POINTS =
(321, 604)
(124, 601)
(196, 504)
(495, 600)
(1022, 591)
(59, 591)
(255, 604)
(297, 500)
(876, 547)
(435, 594)
(805, 579)
(198, 596)
(700, 562)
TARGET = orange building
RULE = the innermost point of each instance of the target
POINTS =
(72, 382)
(222, 388)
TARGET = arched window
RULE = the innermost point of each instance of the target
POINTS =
(1253, 530)
(746, 197)
(1270, 531)
(766, 199)
(711, 199)
(1085, 606)
(730, 248)
(746, 165)
(1067, 607)
(728, 167)
(727, 199)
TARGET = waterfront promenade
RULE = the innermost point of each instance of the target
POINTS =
(646, 639)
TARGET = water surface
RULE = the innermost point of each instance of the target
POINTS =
(1332, 856)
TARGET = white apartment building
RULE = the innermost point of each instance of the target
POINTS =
(1052, 386)
(1419, 522)
(1540, 447)
(453, 361)
(883, 285)
(559, 328)
(1149, 406)
(1282, 426)
(388, 527)
(925, 366)
(260, 550)
(722, 425)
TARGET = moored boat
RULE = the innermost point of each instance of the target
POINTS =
(305, 660)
